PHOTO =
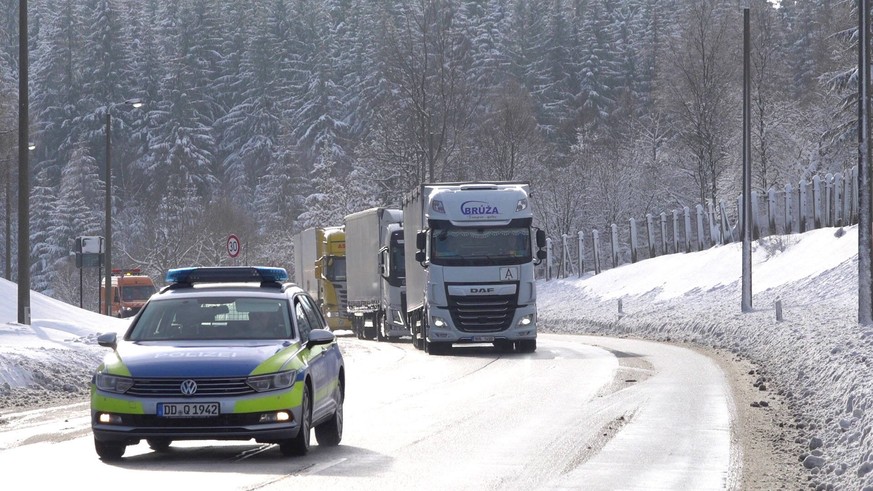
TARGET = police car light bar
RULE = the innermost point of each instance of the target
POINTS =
(226, 274)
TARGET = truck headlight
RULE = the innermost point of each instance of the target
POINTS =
(438, 322)
(526, 320)
(112, 383)
(273, 381)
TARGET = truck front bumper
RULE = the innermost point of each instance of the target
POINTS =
(441, 328)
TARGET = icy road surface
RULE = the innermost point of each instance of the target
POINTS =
(582, 412)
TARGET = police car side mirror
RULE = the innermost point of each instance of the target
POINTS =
(108, 340)
(319, 336)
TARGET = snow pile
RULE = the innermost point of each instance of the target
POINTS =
(818, 357)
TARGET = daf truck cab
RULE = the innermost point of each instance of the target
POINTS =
(470, 268)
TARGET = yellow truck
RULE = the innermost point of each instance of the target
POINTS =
(320, 269)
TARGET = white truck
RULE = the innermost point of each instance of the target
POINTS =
(375, 275)
(470, 256)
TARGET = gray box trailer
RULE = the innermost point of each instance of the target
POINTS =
(306, 253)
(374, 273)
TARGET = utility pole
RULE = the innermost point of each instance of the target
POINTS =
(865, 207)
(747, 165)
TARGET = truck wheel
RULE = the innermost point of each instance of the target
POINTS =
(439, 348)
(504, 346)
(380, 328)
(526, 345)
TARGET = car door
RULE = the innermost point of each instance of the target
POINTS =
(314, 356)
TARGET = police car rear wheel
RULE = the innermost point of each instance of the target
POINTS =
(299, 445)
(109, 451)
(159, 444)
(330, 432)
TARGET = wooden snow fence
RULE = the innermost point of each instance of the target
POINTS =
(829, 201)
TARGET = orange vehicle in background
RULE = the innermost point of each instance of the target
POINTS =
(130, 290)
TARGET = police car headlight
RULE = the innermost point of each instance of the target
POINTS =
(273, 381)
(113, 383)
(526, 320)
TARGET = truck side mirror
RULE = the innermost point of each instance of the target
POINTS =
(541, 238)
(541, 254)
(420, 256)
(421, 240)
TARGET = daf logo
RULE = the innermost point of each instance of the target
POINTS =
(189, 387)
(481, 290)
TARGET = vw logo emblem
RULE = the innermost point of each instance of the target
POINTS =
(189, 387)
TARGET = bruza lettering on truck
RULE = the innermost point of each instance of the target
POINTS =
(478, 208)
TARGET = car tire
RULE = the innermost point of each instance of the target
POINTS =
(526, 345)
(159, 444)
(299, 445)
(109, 452)
(330, 433)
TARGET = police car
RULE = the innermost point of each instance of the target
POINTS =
(220, 354)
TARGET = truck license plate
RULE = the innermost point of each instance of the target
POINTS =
(483, 339)
(187, 409)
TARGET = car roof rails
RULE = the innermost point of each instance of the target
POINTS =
(186, 277)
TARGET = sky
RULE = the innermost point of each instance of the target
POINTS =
(818, 356)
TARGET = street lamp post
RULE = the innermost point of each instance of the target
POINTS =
(23, 171)
(107, 251)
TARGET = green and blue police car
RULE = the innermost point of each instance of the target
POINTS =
(220, 353)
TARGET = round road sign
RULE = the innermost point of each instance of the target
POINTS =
(233, 246)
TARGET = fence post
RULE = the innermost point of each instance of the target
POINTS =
(771, 210)
(614, 241)
(687, 222)
(837, 213)
(663, 233)
(714, 232)
(548, 258)
(595, 239)
(567, 266)
(633, 240)
(827, 199)
(854, 201)
(804, 206)
(675, 230)
(701, 238)
(650, 231)
(581, 253)
(725, 227)
(789, 213)
(816, 203)
(847, 199)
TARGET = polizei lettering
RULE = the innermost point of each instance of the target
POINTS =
(478, 208)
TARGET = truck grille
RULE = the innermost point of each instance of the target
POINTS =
(206, 387)
(480, 313)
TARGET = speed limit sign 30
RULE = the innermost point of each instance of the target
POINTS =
(233, 246)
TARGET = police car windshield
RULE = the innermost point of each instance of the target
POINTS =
(480, 246)
(207, 318)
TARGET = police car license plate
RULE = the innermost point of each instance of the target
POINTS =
(483, 339)
(187, 409)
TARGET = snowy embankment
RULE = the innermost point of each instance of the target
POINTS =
(818, 357)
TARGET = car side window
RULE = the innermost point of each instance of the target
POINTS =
(303, 324)
(312, 312)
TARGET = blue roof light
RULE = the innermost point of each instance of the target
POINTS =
(226, 274)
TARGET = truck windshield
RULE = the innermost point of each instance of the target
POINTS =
(135, 293)
(480, 246)
(336, 269)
